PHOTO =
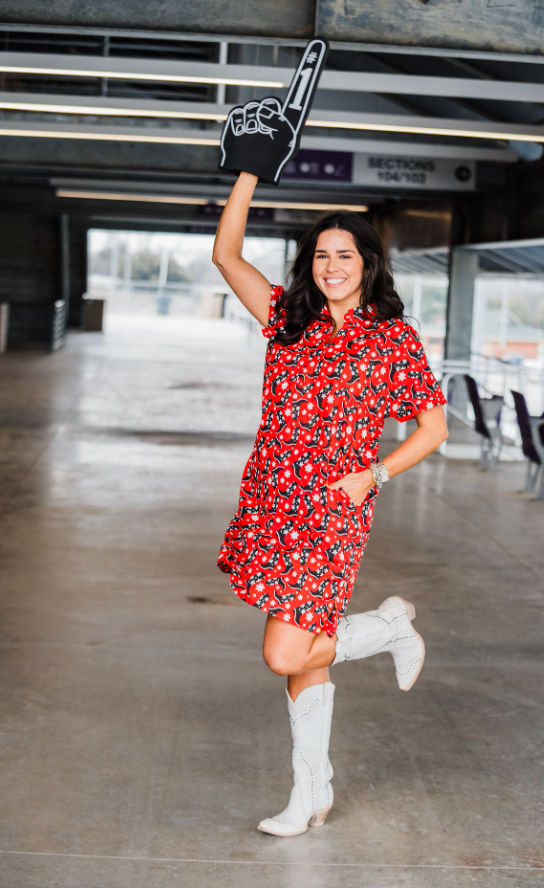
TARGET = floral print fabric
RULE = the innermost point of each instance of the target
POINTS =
(294, 546)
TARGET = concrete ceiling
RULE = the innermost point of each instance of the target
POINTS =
(97, 90)
(504, 26)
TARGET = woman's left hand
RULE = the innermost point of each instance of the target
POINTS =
(355, 484)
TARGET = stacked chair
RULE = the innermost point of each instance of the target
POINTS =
(532, 442)
(487, 413)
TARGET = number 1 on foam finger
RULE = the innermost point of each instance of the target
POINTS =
(305, 75)
(304, 83)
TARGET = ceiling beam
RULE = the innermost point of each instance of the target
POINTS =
(263, 39)
(82, 106)
(413, 107)
(206, 138)
(268, 77)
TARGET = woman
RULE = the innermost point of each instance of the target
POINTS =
(340, 359)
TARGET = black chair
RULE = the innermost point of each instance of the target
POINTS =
(532, 443)
(487, 419)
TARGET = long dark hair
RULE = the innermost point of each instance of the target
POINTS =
(302, 301)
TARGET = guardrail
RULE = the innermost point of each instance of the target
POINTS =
(494, 376)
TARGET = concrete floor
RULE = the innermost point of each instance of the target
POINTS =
(143, 738)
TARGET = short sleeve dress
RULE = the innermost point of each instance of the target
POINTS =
(294, 546)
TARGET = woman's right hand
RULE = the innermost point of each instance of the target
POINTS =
(256, 142)
(261, 136)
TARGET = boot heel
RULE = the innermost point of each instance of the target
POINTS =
(318, 819)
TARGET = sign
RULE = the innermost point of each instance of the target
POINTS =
(320, 166)
(383, 171)
(416, 173)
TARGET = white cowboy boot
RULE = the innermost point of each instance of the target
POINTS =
(312, 795)
(388, 628)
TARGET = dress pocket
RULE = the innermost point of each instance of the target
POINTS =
(362, 513)
(345, 514)
(347, 499)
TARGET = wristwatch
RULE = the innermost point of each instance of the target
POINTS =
(379, 473)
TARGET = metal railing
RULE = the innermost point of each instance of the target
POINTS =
(494, 376)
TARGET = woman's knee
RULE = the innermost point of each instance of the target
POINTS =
(285, 648)
(281, 661)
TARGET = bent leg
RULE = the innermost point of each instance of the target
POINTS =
(301, 655)
(291, 651)
(303, 680)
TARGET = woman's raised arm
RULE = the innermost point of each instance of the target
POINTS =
(251, 287)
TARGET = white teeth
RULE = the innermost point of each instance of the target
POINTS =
(334, 280)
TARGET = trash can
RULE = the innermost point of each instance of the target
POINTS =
(163, 304)
(93, 314)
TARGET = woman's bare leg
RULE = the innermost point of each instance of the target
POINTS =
(297, 683)
(303, 656)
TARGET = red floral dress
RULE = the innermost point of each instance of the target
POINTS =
(293, 548)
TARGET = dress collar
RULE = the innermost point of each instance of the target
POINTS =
(357, 322)
(367, 315)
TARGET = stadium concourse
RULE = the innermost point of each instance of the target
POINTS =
(143, 734)
(143, 737)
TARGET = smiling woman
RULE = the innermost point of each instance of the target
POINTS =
(338, 269)
(340, 262)
(341, 358)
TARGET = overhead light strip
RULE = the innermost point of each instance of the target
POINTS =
(142, 136)
(200, 201)
(134, 75)
(427, 130)
(109, 137)
(110, 111)
(150, 198)
(301, 206)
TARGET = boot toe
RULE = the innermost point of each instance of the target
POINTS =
(282, 828)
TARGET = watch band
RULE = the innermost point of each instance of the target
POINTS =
(379, 473)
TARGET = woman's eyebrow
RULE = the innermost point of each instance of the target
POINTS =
(338, 251)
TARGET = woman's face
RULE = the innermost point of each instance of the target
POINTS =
(337, 267)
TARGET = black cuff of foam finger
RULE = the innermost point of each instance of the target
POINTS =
(247, 168)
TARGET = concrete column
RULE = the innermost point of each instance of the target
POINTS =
(65, 260)
(460, 309)
(463, 271)
(30, 275)
(163, 300)
(77, 253)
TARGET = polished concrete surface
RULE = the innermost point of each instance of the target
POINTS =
(142, 736)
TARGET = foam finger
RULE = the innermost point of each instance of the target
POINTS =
(251, 124)
(304, 83)
(269, 113)
(268, 108)
(236, 120)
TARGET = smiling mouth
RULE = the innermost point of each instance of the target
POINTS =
(334, 282)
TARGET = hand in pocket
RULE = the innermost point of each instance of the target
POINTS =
(355, 484)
